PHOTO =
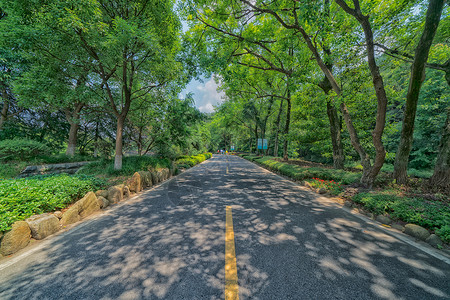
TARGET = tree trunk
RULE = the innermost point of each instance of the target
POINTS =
(286, 127)
(363, 156)
(5, 108)
(256, 139)
(140, 142)
(380, 154)
(335, 132)
(417, 76)
(277, 131)
(72, 142)
(4, 112)
(96, 140)
(119, 145)
(441, 175)
(73, 117)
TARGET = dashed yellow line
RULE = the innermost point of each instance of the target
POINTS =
(231, 279)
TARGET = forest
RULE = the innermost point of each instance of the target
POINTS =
(360, 85)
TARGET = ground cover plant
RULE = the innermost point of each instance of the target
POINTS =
(432, 213)
(186, 161)
(131, 164)
(302, 173)
(331, 186)
(22, 198)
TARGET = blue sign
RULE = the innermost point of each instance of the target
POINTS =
(262, 144)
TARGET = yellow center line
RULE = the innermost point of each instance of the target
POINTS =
(231, 280)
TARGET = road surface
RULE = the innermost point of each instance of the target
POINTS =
(169, 243)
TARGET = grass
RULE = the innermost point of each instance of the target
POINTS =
(22, 198)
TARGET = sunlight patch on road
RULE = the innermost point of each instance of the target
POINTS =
(231, 279)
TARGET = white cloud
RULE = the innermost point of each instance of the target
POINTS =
(205, 94)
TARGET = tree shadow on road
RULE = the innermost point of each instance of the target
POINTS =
(169, 244)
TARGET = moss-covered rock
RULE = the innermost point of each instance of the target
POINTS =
(417, 231)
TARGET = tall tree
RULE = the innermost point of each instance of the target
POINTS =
(131, 45)
(432, 20)
(441, 175)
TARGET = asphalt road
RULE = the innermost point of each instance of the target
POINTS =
(169, 243)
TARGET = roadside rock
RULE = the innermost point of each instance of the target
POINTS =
(398, 227)
(434, 240)
(115, 194)
(417, 231)
(58, 214)
(384, 220)
(322, 191)
(15, 239)
(43, 225)
(81, 209)
(348, 204)
(71, 215)
(102, 201)
(155, 178)
(349, 192)
(102, 193)
(134, 183)
(126, 192)
(166, 173)
(88, 204)
(146, 179)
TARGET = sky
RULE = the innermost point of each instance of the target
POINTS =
(205, 94)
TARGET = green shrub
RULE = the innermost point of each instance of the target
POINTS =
(22, 198)
(444, 233)
(21, 149)
(190, 161)
(182, 157)
(301, 173)
(62, 158)
(130, 164)
(11, 170)
(429, 214)
(186, 163)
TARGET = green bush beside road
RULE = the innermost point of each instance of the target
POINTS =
(187, 162)
(304, 173)
(22, 198)
(433, 214)
(130, 164)
(21, 149)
